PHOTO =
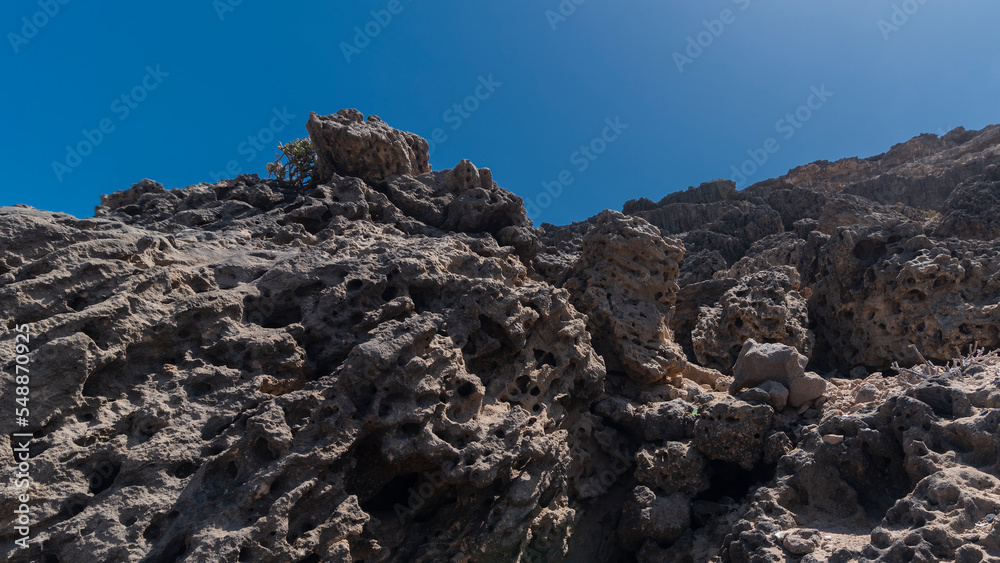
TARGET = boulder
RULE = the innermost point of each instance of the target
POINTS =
(348, 145)
(805, 389)
(758, 363)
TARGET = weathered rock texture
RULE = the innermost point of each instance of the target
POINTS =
(348, 145)
(625, 281)
(764, 306)
(392, 364)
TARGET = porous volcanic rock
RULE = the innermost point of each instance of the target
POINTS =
(764, 306)
(463, 199)
(625, 282)
(885, 292)
(348, 145)
(392, 364)
(914, 479)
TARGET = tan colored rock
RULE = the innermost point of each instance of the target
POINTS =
(802, 541)
(765, 306)
(347, 145)
(625, 281)
(804, 389)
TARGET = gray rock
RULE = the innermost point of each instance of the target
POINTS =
(765, 306)
(758, 363)
(347, 145)
(807, 388)
(777, 394)
(647, 516)
(625, 282)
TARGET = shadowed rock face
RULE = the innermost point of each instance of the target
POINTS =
(392, 364)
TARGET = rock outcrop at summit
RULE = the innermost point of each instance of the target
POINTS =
(347, 145)
(393, 364)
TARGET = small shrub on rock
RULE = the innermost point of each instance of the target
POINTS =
(295, 162)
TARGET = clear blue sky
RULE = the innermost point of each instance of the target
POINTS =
(211, 74)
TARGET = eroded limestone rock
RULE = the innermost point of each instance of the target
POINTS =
(764, 306)
(625, 281)
(348, 145)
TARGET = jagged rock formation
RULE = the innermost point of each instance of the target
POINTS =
(392, 364)
(348, 145)
(764, 306)
(625, 282)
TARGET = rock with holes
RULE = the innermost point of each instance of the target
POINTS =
(625, 281)
(765, 306)
(391, 364)
(464, 199)
(314, 374)
(647, 516)
(675, 467)
(928, 471)
(733, 431)
(348, 145)
(884, 289)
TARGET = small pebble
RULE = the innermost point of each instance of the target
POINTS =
(833, 439)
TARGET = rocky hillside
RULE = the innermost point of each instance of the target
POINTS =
(393, 364)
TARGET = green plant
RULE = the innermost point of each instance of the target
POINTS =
(931, 213)
(299, 161)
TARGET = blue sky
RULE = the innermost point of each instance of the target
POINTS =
(599, 101)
